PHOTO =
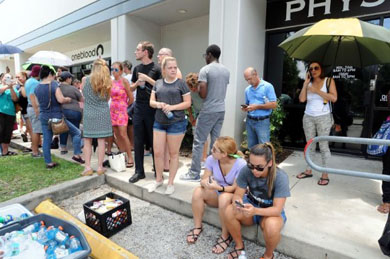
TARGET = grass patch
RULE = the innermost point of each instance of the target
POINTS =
(23, 174)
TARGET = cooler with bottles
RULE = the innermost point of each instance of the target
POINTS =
(43, 236)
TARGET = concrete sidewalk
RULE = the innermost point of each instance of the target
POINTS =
(335, 221)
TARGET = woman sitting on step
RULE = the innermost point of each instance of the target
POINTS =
(216, 188)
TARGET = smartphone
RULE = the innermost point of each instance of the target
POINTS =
(8, 81)
(244, 106)
(210, 179)
(239, 204)
(310, 76)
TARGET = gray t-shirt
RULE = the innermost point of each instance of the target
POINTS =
(74, 94)
(216, 76)
(258, 186)
(170, 93)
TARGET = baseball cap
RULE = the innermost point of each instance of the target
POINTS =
(65, 75)
(35, 70)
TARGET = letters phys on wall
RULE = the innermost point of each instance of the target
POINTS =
(286, 13)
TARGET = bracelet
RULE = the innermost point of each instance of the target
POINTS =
(223, 189)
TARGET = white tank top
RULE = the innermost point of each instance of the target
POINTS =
(315, 104)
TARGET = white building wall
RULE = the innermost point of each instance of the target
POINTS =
(238, 27)
(127, 31)
(19, 17)
(188, 41)
(7, 62)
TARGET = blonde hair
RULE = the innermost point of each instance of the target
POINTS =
(100, 78)
(164, 64)
(192, 80)
(267, 150)
(228, 145)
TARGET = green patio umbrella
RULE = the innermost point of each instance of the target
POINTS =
(339, 42)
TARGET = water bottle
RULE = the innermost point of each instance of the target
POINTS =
(60, 252)
(265, 99)
(169, 115)
(141, 84)
(242, 255)
(74, 244)
(61, 237)
(32, 228)
(41, 235)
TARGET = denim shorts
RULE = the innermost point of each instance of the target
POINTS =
(175, 128)
(257, 218)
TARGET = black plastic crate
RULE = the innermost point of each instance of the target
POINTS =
(112, 221)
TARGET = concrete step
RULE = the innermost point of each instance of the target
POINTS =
(335, 221)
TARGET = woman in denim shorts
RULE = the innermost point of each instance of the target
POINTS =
(170, 96)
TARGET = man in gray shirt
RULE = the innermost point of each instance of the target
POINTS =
(213, 80)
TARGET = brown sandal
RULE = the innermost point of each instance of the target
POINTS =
(234, 253)
(193, 235)
(225, 242)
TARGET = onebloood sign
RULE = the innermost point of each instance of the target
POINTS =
(287, 13)
(100, 50)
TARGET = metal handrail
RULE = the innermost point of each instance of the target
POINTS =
(367, 141)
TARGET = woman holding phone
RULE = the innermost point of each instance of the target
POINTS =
(216, 188)
(317, 91)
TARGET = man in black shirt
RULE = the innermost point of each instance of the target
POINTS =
(143, 80)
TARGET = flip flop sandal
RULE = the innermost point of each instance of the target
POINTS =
(304, 175)
(234, 253)
(10, 153)
(226, 242)
(193, 235)
(323, 179)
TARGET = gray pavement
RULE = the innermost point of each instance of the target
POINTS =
(157, 232)
(335, 221)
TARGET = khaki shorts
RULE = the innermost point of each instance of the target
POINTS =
(35, 122)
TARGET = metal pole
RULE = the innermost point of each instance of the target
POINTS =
(367, 141)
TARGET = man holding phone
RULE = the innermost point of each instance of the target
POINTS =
(260, 100)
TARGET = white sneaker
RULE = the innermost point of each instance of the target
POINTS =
(170, 189)
(154, 186)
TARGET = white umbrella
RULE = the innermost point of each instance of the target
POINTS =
(53, 58)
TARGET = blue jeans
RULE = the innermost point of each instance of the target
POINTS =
(75, 118)
(257, 131)
(48, 136)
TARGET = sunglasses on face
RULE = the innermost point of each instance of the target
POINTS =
(257, 167)
(115, 69)
(314, 68)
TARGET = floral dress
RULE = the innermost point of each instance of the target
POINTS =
(118, 106)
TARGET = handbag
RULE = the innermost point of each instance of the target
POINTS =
(58, 126)
(383, 133)
(117, 162)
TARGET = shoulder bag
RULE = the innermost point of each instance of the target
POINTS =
(382, 133)
(58, 126)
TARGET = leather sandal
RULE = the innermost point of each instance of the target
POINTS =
(193, 235)
(234, 253)
(223, 244)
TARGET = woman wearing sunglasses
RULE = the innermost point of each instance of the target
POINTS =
(121, 98)
(267, 189)
(317, 92)
(216, 188)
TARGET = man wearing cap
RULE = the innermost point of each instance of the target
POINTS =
(33, 110)
(71, 111)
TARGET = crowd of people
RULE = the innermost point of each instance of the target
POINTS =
(145, 109)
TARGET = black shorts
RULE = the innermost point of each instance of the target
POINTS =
(6, 127)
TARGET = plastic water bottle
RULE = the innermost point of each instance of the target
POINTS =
(61, 237)
(32, 228)
(74, 244)
(169, 115)
(265, 99)
(41, 235)
(242, 255)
